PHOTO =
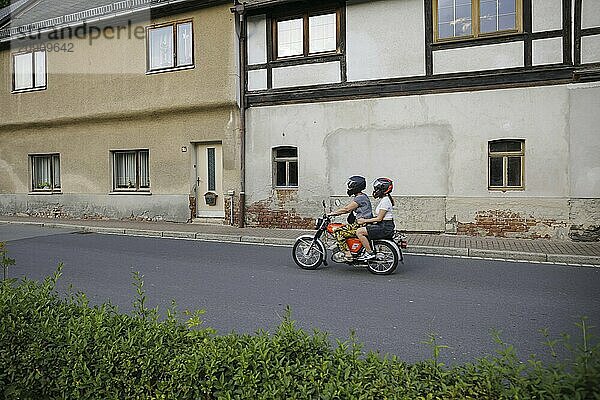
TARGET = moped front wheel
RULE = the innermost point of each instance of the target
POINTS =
(308, 253)
(386, 260)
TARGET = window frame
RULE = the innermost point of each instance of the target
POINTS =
(136, 188)
(287, 161)
(52, 189)
(175, 67)
(305, 16)
(505, 156)
(34, 88)
(476, 31)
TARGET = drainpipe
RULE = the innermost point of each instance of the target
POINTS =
(240, 13)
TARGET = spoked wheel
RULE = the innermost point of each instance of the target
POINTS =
(387, 258)
(306, 254)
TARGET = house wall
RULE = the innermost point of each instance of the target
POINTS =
(385, 39)
(99, 99)
(435, 149)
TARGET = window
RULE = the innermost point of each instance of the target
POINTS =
(506, 158)
(458, 19)
(307, 34)
(29, 71)
(130, 170)
(45, 172)
(285, 167)
(170, 46)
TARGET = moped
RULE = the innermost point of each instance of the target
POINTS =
(310, 251)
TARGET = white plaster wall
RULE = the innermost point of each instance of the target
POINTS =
(257, 79)
(433, 145)
(547, 51)
(478, 58)
(307, 74)
(385, 39)
(590, 49)
(257, 40)
(584, 123)
(590, 13)
(546, 15)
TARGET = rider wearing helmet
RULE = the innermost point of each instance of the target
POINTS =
(359, 207)
(382, 225)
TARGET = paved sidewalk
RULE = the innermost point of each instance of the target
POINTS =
(540, 250)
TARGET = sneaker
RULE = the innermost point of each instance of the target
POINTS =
(367, 256)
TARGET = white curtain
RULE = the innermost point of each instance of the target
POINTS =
(184, 44)
(41, 173)
(144, 172)
(290, 37)
(161, 47)
(56, 171)
(23, 69)
(322, 33)
(125, 170)
(40, 69)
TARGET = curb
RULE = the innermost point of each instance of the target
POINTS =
(579, 260)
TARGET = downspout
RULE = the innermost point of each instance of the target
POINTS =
(240, 13)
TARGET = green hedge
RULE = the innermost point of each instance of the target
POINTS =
(59, 347)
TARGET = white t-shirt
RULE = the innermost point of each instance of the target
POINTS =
(385, 204)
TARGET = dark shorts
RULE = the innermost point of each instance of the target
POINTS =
(380, 230)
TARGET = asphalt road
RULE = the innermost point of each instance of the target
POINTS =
(244, 288)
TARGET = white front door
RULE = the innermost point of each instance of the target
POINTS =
(209, 180)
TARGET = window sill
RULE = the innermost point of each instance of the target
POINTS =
(506, 189)
(160, 71)
(131, 192)
(38, 89)
(45, 192)
(285, 188)
(475, 39)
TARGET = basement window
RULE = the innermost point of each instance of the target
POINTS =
(506, 164)
(285, 167)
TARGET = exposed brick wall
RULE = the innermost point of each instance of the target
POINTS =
(236, 211)
(278, 212)
(505, 223)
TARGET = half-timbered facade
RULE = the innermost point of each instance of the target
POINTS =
(484, 113)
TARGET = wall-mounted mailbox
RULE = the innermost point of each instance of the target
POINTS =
(210, 198)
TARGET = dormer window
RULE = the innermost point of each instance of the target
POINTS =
(29, 71)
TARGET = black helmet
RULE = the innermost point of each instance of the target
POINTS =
(355, 184)
(382, 186)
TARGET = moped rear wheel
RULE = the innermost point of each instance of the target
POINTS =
(306, 254)
(386, 261)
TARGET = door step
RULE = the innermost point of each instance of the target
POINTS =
(209, 221)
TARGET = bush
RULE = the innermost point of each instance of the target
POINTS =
(55, 346)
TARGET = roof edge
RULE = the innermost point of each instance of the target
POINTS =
(100, 13)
